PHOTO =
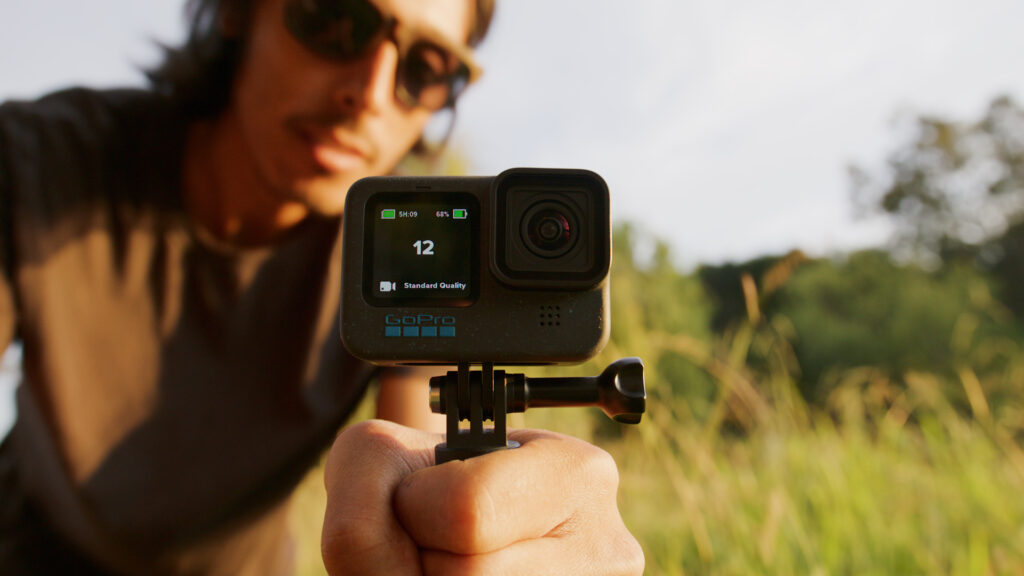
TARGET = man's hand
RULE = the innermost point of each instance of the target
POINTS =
(547, 507)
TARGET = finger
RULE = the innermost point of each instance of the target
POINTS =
(361, 534)
(489, 502)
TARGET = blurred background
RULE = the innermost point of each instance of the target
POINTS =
(819, 254)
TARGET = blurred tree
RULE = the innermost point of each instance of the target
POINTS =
(725, 288)
(867, 310)
(954, 184)
(724, 285)
(955, 191)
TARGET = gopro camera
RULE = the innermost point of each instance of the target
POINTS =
(510, 269)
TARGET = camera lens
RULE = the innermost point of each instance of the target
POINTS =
(549, 229)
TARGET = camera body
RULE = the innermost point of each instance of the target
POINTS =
(510, 269)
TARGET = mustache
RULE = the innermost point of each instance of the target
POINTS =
(344, 129)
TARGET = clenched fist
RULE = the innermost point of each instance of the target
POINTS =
(547, 507)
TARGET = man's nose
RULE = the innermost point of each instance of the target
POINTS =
(368, 83)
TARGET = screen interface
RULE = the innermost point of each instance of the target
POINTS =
(424, 249)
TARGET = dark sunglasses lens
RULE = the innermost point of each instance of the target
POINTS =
(337, 29)
(428, 75)
(432, 76)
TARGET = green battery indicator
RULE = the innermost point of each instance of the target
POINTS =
(460, 213)
(387, 214)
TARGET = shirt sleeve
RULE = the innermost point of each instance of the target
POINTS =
(48, 148)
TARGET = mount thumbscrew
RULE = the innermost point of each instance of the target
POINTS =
(489, 394)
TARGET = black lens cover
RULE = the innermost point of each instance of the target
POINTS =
(551, 229)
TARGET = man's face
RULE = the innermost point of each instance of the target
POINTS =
(313, 126)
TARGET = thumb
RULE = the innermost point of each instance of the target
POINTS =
(361, 534)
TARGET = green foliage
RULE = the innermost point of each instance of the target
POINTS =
(724, 284)
(868, 311)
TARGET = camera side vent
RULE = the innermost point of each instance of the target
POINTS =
(550, 316)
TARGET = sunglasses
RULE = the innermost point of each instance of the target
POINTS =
(431, 72)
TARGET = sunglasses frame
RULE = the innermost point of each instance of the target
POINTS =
(403, 37)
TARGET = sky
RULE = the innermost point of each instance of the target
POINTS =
(723, 127)
(726, 126)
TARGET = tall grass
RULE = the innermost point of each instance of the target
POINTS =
(915, 489)
(887, 478)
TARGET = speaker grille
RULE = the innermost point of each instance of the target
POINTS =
(550, 316)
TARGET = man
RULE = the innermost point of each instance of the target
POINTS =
(170, 263)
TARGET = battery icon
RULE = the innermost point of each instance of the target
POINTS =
(387, 214)
(460, 214)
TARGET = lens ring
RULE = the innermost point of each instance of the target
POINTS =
(549, 229)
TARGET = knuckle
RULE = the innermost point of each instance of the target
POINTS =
(354, 444)
(341, 545)
(632, 556)
(600, 467)
(356, 437)
(371, 432)
(616, 551)
(345, 533)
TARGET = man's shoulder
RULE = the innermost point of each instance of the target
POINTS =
(78, 149)
(76, 102)
(88, 113)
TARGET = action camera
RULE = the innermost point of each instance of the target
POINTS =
(509, 269)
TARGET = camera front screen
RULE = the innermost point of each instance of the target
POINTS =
(424, 249)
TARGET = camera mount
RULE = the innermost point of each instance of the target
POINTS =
(489, 394)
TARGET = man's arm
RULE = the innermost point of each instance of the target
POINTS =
(547, 507)
(404, 397)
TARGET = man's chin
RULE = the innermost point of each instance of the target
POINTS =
(324, 196)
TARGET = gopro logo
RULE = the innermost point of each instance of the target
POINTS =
(419, 326)
(388, 286)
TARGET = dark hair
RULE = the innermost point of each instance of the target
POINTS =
(200, 73)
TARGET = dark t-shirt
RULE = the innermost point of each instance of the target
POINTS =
(175, 389)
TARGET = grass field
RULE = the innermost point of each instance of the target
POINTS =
(813, 496)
